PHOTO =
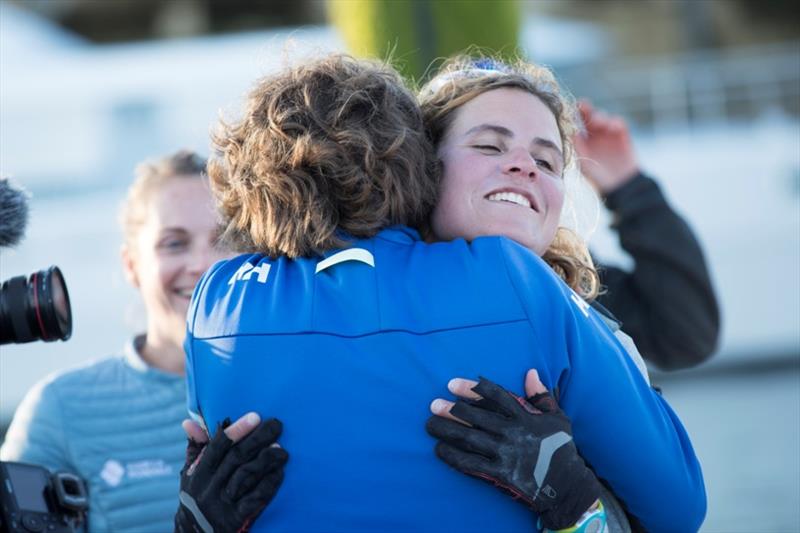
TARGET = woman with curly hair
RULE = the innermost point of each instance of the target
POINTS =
(320, 183)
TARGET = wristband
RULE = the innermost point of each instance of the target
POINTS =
(592, 521)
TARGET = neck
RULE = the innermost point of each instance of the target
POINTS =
(163, 353)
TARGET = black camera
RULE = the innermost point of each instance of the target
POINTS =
(35, 308)
(34, 500)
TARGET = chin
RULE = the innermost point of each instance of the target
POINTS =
(536, 248)
(180, 306)
(523, 238)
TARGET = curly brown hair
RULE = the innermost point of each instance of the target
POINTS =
(327, 150)
(463, 78)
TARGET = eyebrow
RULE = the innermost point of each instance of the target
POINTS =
(173, 229)
(505, 132)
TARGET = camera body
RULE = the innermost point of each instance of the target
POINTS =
(33, 500)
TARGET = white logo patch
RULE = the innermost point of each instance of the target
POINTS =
(247, 270)
(149, 468)
(112, 473)
(351, 254)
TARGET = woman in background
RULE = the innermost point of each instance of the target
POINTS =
(117, 422)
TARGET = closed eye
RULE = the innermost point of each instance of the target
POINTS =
(487, 148)
(544, 163)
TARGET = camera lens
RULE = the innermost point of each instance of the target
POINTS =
(35, 308)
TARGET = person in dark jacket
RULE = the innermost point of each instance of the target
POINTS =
(667, 302)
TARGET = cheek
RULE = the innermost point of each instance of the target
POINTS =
(554, 192)
(450, 210)
(156, 277)
(461, 180)
(168, 269)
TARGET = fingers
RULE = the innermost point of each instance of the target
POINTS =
(544, 403)
(483, 400)
(598, 122)
(533, 385)
(479, 417)
(617, 125)
(463, 437)
(467, 413)
(590, 116)
(463, 388)
(442, 408)
(495, 396)
(194, 447)
(277, 457)
(459, 387)
(254, 501)
(247, 476)
(257, 447)
(239, 429)
(579, 143)
(194, 431)
(264, 436)
(469, 463)
(243, 479)
(213, 453)
(585, 109)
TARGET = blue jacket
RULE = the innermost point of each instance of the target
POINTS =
(117, 424)
(348, 351)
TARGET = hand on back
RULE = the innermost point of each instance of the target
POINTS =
(522, 446)
(228, 480)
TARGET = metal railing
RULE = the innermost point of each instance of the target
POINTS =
(684, 91)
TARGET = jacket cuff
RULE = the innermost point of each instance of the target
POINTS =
(640, 194)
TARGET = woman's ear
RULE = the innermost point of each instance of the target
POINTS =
(129, 265)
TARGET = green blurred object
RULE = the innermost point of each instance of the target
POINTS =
(414, 33)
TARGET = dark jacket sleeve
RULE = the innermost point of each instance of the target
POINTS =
(667, 304)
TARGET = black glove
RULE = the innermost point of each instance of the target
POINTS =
(225, 485)
(522, 446)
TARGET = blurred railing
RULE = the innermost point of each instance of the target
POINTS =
(698, 120)
(684, 91)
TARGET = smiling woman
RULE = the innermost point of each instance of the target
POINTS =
(502, 178)
(117, 422)
(170, 241)
(503, 133)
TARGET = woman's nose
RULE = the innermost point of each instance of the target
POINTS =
(520, 163)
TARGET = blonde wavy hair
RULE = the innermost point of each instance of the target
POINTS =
(150, 176)
(463, 78)
(326, 151)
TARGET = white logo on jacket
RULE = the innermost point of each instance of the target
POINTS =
(114, 472)
(247, 270)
